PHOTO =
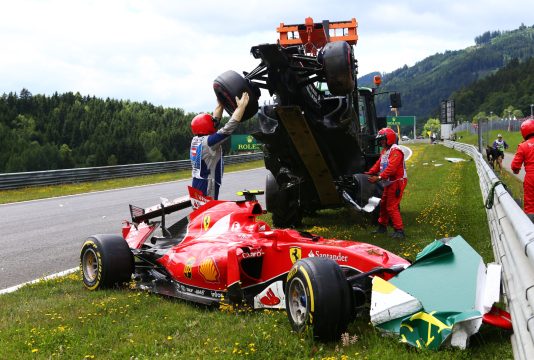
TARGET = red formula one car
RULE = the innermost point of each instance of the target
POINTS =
(222, 252)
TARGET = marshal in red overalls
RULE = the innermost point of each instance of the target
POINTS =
(525, 156)
(390, 169)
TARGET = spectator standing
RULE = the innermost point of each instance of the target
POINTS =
(206, 146)
(525, 156)
(499, 145)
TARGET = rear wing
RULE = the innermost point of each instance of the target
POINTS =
(165, 207)
(315, 35)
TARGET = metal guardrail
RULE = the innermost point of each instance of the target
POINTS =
(512, 237)
(65, 176)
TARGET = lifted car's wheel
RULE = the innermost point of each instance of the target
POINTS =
(338, 62)
(282, 204)
(230, 84)
(271, 189)
(106, 260)
(318, 295)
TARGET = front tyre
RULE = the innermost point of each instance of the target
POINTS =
(318, 295)
(339, 67)
(105, 261)
(230, 84)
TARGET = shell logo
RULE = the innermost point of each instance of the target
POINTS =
(208, 269)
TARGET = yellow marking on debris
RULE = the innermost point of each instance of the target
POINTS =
(382, 286)
(431, 320)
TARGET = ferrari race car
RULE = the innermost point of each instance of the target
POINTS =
(319, 126)
(222, 254)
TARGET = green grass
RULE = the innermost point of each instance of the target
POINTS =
(514, 185)
(43, 192)
(59, 319)
(512, 138)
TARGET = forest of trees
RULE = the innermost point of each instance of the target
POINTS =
(508, 91)
(436, 77)
(69, 130)
(39, 132)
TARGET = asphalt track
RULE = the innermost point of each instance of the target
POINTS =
(44, 237)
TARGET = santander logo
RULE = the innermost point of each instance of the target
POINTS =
(270, 299)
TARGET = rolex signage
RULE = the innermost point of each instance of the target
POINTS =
(244, 143)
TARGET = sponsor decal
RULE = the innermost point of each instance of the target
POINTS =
(206, 222)
(271, 297)
(339, 257)
(199, 291)
(292, 273)
(295, 253)
(254, 253)
(208, 269)
(216, 294)
(188, 273)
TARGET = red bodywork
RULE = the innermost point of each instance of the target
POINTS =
(225, 245)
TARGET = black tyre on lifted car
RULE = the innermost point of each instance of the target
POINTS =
(312, 136)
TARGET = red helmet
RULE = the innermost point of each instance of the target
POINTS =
(527, 128)
(203, 124)
(389, 135)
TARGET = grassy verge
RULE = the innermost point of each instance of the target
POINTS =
(512, 138)
(59, 319)
(514, 185)
(42, 192)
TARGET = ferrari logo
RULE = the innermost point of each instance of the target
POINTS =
(295, 253)
(188, 273)
(206, 222)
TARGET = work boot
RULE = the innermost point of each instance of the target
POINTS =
(398, 234)
(381, 229)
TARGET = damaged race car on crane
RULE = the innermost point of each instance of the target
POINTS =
(221, 253)
(320, 127)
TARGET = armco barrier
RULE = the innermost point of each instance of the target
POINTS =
(512, 237)
(52, 177)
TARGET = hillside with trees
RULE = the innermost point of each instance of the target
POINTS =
(436, 77)
(508, 92)
(69, 130)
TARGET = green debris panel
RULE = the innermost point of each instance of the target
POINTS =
(439, 299)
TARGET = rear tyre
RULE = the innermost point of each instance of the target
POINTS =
(105, 261)
(338, 62)
(230, 84)
(318, 295)
(282, 204)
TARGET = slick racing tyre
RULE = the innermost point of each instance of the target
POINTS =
(230, 84)
(271, 190)
(282, 204)
(338, 62)
(318, 295)
(105, 261)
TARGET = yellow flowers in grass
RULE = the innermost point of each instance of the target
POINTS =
(441, 210)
